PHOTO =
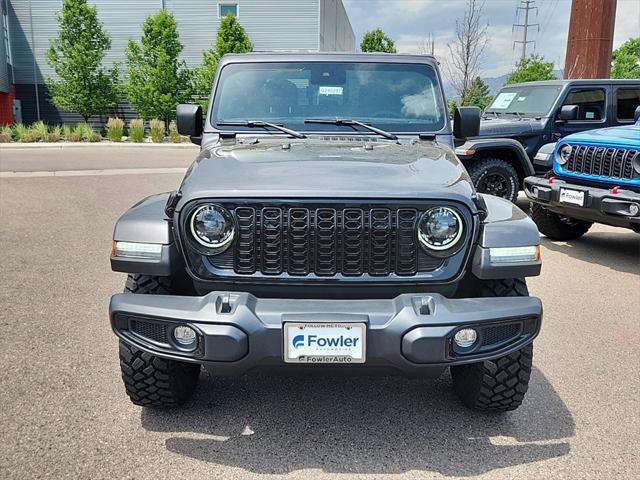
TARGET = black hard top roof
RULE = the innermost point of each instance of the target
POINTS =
(297, 56)
(585, 81)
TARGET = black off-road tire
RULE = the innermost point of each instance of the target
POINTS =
(556, 227)
(152, 381)
(483, 170)
(147, 284)
(499, 384)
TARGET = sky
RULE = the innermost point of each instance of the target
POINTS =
(410, 22)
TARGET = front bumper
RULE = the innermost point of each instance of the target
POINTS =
(600, 205)
(411, 333)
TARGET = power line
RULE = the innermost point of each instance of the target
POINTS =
(526, 6)
(547, 18)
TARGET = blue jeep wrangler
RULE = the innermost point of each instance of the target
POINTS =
(596, 178)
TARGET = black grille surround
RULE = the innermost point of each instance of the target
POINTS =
(606, 162)
(324, 240)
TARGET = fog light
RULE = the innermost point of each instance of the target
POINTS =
(466, 337)
(185, 337)
(634, 209)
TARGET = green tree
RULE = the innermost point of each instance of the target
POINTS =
(625, 62)
(231, 38)
(377, 41)
(76, 54)
(156, 80)
(478, 95)
(452, 106)
(532, 69)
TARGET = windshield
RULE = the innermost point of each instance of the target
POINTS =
(531, 101)
(393, 97)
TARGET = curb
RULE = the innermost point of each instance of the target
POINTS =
(88, 173)
(63, 145)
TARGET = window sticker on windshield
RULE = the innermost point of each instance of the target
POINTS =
(503, 100)
(589, 115)
(521, 99)
(326, 90)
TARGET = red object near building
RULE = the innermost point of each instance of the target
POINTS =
(6, 106)
(590, 40)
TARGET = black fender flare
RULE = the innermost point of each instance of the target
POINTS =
(472, 147)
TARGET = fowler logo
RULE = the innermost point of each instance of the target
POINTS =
(313, 340)
(298, 341)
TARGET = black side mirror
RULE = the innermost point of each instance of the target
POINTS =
(636, 114)
(568, 113)
(189, 120)
(466, 122)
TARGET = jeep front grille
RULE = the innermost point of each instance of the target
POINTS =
(325, 241)
(602, 161)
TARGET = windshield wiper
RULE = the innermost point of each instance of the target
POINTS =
(351, 122)
(262, 124)
(520, 115)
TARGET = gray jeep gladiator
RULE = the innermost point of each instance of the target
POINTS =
(326, 226)
(519, 129)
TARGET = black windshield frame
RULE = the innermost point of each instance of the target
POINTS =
(438, 115)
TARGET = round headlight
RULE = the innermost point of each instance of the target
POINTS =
(212, 226)
(440, 228)
(635, 161)
(564, 154)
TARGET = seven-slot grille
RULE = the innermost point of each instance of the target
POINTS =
(326, 241)
(602, 161)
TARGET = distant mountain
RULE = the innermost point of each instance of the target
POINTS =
(494, 83)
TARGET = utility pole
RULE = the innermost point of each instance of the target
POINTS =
(427, 47)
(590, 39)
(526, 6)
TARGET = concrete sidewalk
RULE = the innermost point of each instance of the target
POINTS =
(95, 157)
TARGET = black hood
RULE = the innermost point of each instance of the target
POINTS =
(510, 127)
(316, 168)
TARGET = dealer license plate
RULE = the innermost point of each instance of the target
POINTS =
(319, 342)
(575, 197)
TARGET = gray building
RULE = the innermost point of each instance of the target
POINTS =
(272, 25)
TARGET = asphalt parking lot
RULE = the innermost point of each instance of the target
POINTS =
(64, 414)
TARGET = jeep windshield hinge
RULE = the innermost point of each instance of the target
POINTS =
(429, 137)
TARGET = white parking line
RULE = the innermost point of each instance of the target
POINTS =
(86, 173)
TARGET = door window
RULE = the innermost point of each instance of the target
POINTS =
(627, 100)
(591, 104)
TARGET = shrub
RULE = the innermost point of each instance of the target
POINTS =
(6, 134)
(115, 129)
(174, 136)
(73, 134)
(18, 131)
(30, 136)
(87, 133)
(136, 130)
(54, 134)
(156, 129)
(39, 131)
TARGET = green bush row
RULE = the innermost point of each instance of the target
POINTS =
(83, 132)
